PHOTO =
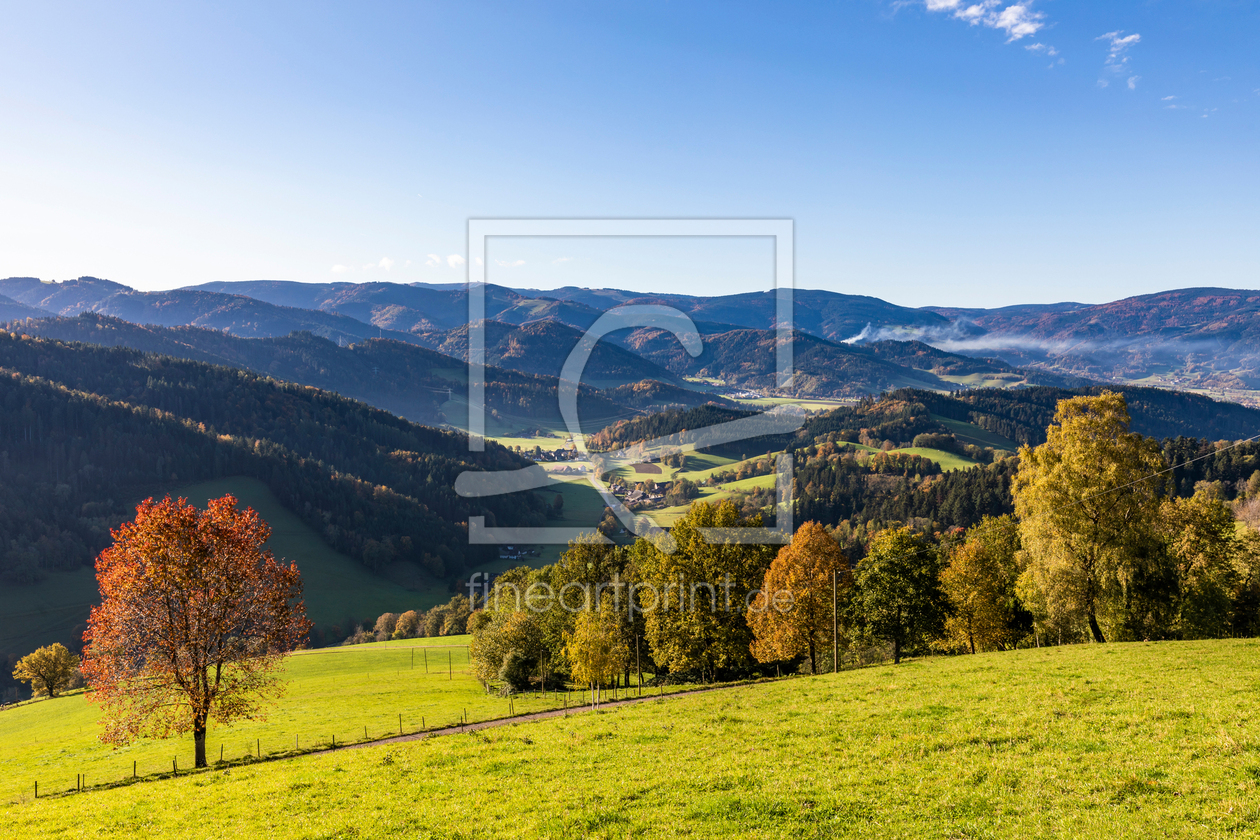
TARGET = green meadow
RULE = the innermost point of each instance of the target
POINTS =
(1091, 741)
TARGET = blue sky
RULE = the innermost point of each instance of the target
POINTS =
(930, 152)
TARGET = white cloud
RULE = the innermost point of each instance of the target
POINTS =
(559, 260)
(479, 261)
(1168, 99)
(1017, 20)
(340, 269)
(509, 263)
(1118, 48)
(454, 260)
(1102, 83)
(1040, 47)
(1133, 80)
(433, 260)
(385, 263)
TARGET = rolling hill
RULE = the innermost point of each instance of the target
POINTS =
(406, 379)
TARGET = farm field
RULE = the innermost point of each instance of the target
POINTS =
(331, 692)
(973, 434)
(947, 460)
(667, 516)
(1089, 741)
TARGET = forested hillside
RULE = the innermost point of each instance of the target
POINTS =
(408, 380)
(84, 430)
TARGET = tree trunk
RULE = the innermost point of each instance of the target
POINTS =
(897, 651)
(199, 740)
(1094, 628)
(971, 640)
(813, 662)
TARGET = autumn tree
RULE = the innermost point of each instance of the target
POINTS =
(49, 670)
(508, 647)
(1086, 504)
(1203, 549)
(595, 649)
(897, 595)
(979, 583)
(699, 591)
(408, 625)
(385, 624)
(194, 621)
(793, 612)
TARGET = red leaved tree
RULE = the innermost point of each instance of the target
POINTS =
(195, 619)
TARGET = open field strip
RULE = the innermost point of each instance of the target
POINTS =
(947, 460)
(331, 693)
(1098, 741)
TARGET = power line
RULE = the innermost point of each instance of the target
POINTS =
(1233, 445)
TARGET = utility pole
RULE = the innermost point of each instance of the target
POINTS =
(835, 623)
(638, 663)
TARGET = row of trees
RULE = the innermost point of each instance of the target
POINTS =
(1097, 550)
(449, 619)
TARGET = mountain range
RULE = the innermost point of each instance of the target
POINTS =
(847, 345)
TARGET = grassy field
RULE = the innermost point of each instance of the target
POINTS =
(331, 693)
(810, 405)
(1099, 741)
(947, 460)
(667, 516)
(976, 436)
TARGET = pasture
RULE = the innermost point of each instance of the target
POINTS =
(1089, 741)
(348, 693)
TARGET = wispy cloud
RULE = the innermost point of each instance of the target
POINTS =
(1168, 99)
(1017, 20)
(1133, 80)
(1118, 45)
(385, 263)
(509, 263)
(559, 260)
(433, 261)
(1042, 48)
(455, 260)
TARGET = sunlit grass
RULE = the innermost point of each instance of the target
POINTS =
(347, 694)
(1099, 741)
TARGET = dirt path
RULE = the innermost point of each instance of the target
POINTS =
(508, 721)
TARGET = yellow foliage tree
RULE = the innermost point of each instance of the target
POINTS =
(979, 583)
(49, 670)
(1086, 506)
(793, 612)
(595, 649)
